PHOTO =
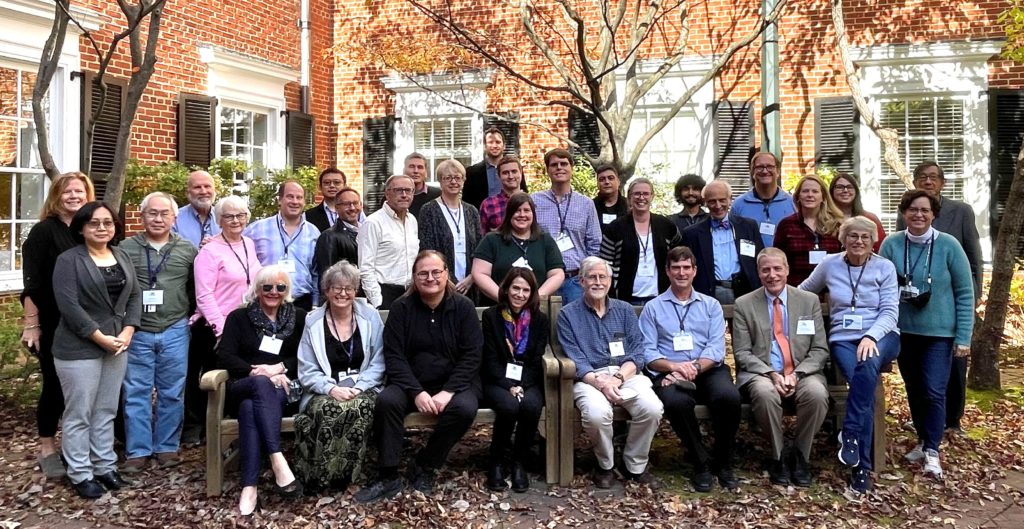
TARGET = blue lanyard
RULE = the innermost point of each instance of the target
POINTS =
(281, 233)
(332, 216)
(149, 265)
(908, 269)
(558, 205)
(682, 317)
(351, 338)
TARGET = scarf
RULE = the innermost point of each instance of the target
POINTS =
(284, 326)
(922, 239)
(517, 331)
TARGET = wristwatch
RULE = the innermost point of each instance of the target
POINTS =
(619, 376)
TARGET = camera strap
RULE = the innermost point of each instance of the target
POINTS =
(908, 270)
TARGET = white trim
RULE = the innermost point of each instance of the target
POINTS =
(221, 58)
(474, 79)
(688, 65)
(927, 52)
(36, 11)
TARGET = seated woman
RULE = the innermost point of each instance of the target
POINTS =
(258, 348)
(341, 368)
(515, 335)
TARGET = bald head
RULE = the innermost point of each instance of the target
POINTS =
(718, 198)
(201, 193)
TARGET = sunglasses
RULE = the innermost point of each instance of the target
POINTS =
(281, 287)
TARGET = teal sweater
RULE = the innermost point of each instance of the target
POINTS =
(950, 312)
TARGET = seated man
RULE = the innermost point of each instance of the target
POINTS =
(432, 351)
(779, 341)
(601, 336)
(684, 345)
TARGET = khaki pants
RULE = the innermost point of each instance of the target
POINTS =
(597, 412)
(811, 399)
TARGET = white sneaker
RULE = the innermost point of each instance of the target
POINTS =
(916, 454)
(931, 463)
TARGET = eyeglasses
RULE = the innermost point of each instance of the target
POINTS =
(332, 183)
(401, 190)
(859, 237)
(844, 187)
(641, 194)
(764, 168)
(154, 214)
(353, 204)
(451, 178)
(429, 274)
(922, 211)
(237, 216)
(925, 177)
(97, 224)
(342, 289)
(281, 287)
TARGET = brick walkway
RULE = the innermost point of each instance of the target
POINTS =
(1007, 512)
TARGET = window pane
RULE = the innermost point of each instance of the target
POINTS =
(28, 80)
(31, 188)
(29, 142)
(259, 129)
(9, 92)
(5, 195)
(951, 157)
(243, 126)
(920, 118)
(443, 134)
(23, 229)
(463, 134)
(227, 125)
(226, 150)
(8, 143)
(950, 116)
(242, 153)
(421, 132)
(6, 249)
(893, 115)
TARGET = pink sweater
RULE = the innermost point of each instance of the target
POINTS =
(221, 280)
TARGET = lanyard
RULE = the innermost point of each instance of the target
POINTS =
(245, 264)
(817, 240)
(682, 317)
(456, 219)
(149, 265)
(281, 233)
(767, 202)
(908, 269)
(561, 218)
(351, 338)
(523, 245)
(854, 286)
(332, 216)
(645, 243)
(204, 227)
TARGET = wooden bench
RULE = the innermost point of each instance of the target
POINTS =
(221, 431)
(570, 418)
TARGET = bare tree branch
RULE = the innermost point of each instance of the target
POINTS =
(49, 63)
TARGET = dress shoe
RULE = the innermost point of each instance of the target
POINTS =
(604, 479)
(134, 465)
(168, 460)
(381, 489)
(646, 478)
(800, 471)
(702, 480)
(112, 480)
(421, 478)
(496, 478)
(778, 474)
(89, 489)
(291, 490)
(727, 478)
(520, 479)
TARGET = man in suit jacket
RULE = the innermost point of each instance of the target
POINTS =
(325, 214)
(482, 178)
(778, 338)
(725, 246)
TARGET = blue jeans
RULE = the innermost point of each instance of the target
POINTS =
(570, 290)
(925, 363)
(863, 378)
(155, 360)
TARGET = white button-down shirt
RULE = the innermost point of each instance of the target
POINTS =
(387, 249)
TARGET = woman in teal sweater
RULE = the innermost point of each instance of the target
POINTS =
(936, 317)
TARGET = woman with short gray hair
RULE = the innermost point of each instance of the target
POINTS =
(451, 226)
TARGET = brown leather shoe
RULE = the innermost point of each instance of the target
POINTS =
(646, 478)
(604, 479)
(134, 465)
(168, 460)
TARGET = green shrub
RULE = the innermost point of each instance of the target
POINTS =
(172, 178)
(263, 191)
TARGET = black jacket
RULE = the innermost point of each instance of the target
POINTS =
(698, 239)
(621, 248)
(239, 347)
(475, 190)
(496, 355)
(48, 239)
(335, 244)
(318, 217)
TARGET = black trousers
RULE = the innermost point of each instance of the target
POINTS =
(956, 392)
(514, 416)
(201, 358)
(304, 302)
(50, 406)
(393, 404)
(716, 390)
(388, 295)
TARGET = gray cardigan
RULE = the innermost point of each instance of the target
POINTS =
(314, 368)
(85, 305)
(435, 234)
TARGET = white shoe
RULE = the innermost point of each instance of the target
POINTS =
(931, 463)
(916, 454)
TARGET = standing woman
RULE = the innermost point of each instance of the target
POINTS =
(50, 237)
(518, 242)
(100, 307)
(259, 349)
(451, 226)
(635, 246)
(515, 335)
(341, 367)
(936, 317)
(811, 233)
(845, 192)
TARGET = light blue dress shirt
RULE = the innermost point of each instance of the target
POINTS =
(702, 319)
(273, 244)
(776, 355)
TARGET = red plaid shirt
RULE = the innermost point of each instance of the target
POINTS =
(797, 240)
(492, 212)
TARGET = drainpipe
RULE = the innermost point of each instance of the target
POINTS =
(771, 138)
(304, 55)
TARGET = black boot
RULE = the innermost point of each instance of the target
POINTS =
(496, 478)
(520, 479)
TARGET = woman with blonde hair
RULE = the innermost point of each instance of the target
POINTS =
(811, 233)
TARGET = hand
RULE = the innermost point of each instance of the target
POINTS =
(341, 394)
(463, 286)
(267, 370)
(611, 392)
(780, 384)
(669, 379)
(867, 348)
(517, 392)
(126, 336)
(30, 337)
(790, 381)
(425, 404)
(685, 370)
(441, 400)
(204, 241)
(111, 343)
(962, 351)
(282, 381)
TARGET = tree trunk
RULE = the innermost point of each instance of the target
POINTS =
(48, 65)
(988, 337)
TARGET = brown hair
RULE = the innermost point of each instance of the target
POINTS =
(680, 253)
(829, 216)
(449, 288)
(914, 194)
(533, 302)
(558, 153)
(52, 206)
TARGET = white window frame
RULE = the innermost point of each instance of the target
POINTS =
(271, 127)
(436, 155)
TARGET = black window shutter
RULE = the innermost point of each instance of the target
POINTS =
(197, 121)
(300, 139)
(104, 140)
(508, 128)
(378, 149)
(734, 143)
(836, 143)
(583, 129)
(1006, 131)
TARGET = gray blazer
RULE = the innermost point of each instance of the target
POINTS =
(752, 335)
(85, 304)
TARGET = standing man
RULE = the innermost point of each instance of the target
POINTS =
(724, 246)
(483, 179)
(196, 221)
(492, 209)
(289, 240)
(416, 168)
(388, 242)
(778, 339)
(339, 242)
(325, 214)
(601, 336)
(957, 219)
(684, 348)
(688, 194)
(766, 203)
(158, 354)
(609, 202)
(570, 219)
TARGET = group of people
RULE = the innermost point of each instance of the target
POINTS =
(289, 306)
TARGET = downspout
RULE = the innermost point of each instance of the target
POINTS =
(304, 55)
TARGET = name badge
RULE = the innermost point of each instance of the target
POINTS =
(460, 242)
(607, 218)
(816, 256)
(767, 228)
(348, 379)
(151, 299)
(746, 248)
(645, 270)
(271, 345)
(514, 371)
(853, 322)
(522, 263)
(617, 349)
(910, 290)
(563, 242)
(288, 265)
(682, 342)
(805, 327)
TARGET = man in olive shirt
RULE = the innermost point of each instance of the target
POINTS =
(158, 354)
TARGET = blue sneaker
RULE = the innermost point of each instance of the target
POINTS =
(860, 480)
(849, 450)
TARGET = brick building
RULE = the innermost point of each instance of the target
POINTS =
(230, 73)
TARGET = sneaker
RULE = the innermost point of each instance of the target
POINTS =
(702, 480)
(727, 478)
(931, 463)
(382, 489)
(849, 449)
(909, 426)
(860, 480)
(916, 454)
(134, 465)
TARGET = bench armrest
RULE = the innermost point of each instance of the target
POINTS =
(568, 367)
(213, 380)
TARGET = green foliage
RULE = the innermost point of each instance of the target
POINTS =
(16, 365)
(263, 191)
(824, 172)
(1017, 289)
(1012, 22)
(584, 180)
(172, 178)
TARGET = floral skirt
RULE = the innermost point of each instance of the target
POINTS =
(332, 438)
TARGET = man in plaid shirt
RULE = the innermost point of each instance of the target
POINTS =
(492, 209)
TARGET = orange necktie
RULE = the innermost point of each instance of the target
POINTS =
(780, 336)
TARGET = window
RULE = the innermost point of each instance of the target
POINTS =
(243, 136)
(674, 151)
(441, 138)
(22, 180)
(930, 128)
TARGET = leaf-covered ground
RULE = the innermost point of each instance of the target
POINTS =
(977, 468)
